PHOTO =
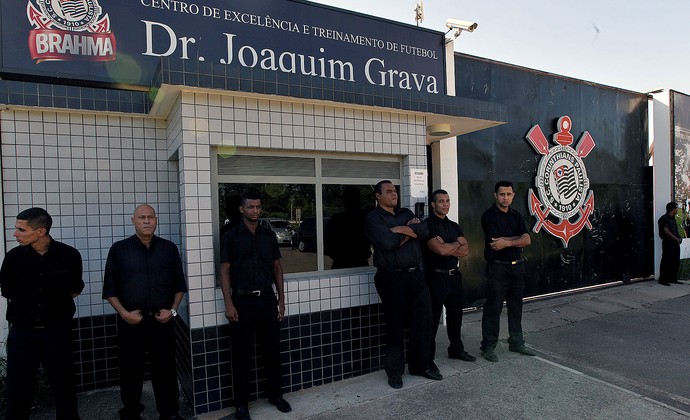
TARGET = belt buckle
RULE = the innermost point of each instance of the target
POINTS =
(256, 293)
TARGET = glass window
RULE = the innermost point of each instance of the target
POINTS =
(345, 241)
(314, 203)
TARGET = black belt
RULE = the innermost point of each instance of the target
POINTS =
(256, 293)
(514, 262)
(450, 272)
(406, 270)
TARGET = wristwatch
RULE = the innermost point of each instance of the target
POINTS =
(173, 312)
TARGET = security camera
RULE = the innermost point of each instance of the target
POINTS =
(461, 24)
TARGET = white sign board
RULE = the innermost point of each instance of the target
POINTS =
(418, 185)
(685, 249)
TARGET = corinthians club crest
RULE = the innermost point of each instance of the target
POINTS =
(65, 30)
(562, 182)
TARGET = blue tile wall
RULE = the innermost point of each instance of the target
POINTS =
(257, 80)
(25, 93)
(316, 349)
(95, 353)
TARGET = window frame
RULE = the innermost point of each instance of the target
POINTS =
(318, 181)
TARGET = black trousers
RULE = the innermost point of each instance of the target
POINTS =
(446, 291)
(505, 282)
(134, 341)
(670, 261)
(51, 347)
(255, 314)
(406, 301)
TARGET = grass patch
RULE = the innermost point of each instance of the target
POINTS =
(684, 272)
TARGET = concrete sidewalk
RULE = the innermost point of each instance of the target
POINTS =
(590, 365)
(518, 387)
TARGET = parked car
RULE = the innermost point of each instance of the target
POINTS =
(304, 238)
(282, 228)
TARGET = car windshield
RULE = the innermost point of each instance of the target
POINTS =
(280, 224)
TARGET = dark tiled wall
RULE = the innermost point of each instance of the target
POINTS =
(28, 93)
(95, 353)
(256, 80)
(315, 348)
(184, 358)
(53, 94)
(95, 344)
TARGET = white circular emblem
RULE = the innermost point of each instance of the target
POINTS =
(562, 181)
(71, 15)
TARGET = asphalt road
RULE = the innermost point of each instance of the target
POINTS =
(645, 350)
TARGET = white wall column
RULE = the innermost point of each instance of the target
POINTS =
(660, 130)
(444, 155)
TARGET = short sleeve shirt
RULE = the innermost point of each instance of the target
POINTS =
(40, 287)
(449, 231)
(669, 222)
(251, 256)
(144, 278)
(496, 224)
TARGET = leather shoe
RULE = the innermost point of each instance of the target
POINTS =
(663, 283)
(433, 367)
(675, 282)
(523, 350)
(242, 413)
(489, 355)
(280, 403)
(464, 356)
(395, 381)
(429, 374)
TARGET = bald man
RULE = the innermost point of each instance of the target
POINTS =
(144, 283)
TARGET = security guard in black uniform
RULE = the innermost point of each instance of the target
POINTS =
(446, 242)
(395, 233)
(506, 235)
(40, 278)
(250, 267)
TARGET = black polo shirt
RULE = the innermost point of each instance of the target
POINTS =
(388, 253)
(449, 231)
(144, 278)
(669, 222)
(40, 287)
(251, 256)
(496, 224)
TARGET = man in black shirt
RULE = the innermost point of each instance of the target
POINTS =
(144, 283)
(446, 242)
(670, 244)
(250, 266)
(393, 231)
(506, 235)
(40, 279)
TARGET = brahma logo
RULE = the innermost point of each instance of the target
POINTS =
(562, 182)
(67, 30)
